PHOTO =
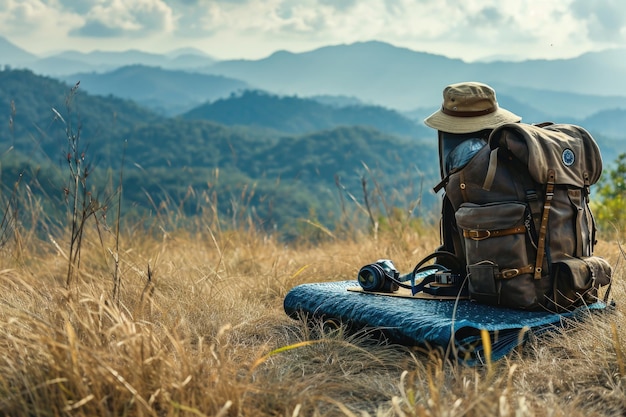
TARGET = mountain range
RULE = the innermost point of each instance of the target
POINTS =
(70, 62)
(373, 72)
(309, 122)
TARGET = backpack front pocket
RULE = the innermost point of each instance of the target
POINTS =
(499, 253)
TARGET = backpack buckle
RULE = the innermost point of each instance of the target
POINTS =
(510, 273)
(478, 234)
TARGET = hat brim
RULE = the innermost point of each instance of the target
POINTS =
(453, 124)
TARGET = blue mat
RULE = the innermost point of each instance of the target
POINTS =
(446, 324)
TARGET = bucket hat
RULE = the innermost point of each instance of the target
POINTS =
(469, 107)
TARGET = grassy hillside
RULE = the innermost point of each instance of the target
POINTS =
(166, 322)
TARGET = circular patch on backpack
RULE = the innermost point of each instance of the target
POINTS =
(568, 157)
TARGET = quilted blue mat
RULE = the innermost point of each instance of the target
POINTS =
(446, 324)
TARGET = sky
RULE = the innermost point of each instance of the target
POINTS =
(252, 29)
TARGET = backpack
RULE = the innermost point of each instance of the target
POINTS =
(517, 217)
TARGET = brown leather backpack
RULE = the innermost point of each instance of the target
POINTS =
(521, 219)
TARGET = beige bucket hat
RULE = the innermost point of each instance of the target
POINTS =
(469, 107)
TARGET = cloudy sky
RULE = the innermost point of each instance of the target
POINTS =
(226, 29)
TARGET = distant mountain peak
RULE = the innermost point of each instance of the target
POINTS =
(186, 51)
(11, 54)
(280, 53)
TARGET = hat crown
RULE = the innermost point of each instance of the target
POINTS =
(465, 98)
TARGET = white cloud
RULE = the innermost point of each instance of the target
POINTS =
(119, 17)
(605, 20)
(467, 29)
(476, 27)
(23, 17)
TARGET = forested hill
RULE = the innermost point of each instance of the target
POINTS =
(301, 115)
(191, 166)
(32, 104)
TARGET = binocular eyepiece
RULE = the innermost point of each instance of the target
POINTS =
(381, 276)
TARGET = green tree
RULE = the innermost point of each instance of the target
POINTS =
(609, 207)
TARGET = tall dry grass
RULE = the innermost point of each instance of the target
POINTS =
(198, 329)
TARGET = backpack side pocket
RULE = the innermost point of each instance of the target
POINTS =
(577, 280)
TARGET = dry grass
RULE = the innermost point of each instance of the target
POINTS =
(199, 326)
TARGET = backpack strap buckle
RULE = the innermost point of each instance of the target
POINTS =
(513, 272)
(486, 234)
(477, 234)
